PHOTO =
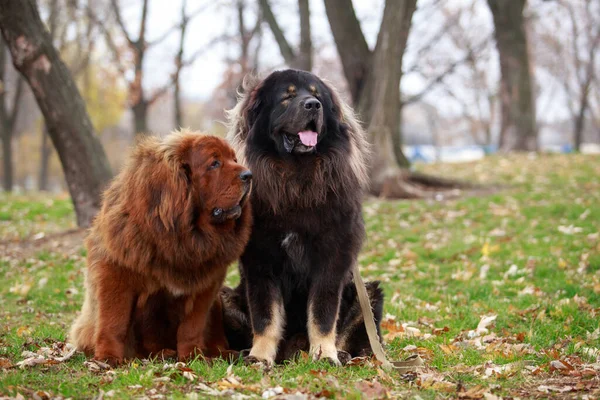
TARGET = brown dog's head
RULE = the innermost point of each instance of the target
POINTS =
(208, 174)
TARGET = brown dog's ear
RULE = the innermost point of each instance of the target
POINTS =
(173, 180)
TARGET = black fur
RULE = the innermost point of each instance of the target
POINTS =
(238, 327)
(308, 226)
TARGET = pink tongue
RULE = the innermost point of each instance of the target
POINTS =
(308, 138)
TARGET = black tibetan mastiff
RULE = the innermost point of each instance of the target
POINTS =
(308, 157)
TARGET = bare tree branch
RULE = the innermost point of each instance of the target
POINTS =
(284, 47)
(304, 56)
(178, 25)
(117, 10)
(112, 45)
(141, 42)
(185, 63)
(449, 70)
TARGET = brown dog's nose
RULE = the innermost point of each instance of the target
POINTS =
(246, 175)
(312, 104)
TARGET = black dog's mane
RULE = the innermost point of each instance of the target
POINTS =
(303, 182)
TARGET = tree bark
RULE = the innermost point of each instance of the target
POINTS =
(177, 101)
(45, 152)
(351, 45)
(580, 118)
(83, 159)
(8, 118)
(140, 118)
(7, 161)
(518, 129)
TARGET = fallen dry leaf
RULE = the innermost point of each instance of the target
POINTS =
(448, 348)
(5, 363)
(476, 392)
(95, 365)
(372, 390)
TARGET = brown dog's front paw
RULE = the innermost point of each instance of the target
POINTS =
(188, 353)
(110, 360)
(164, 354)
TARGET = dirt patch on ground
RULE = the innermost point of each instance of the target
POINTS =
(67, 242)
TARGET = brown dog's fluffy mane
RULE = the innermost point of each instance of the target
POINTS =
(154, 238)
(337, 172)
(151, 206)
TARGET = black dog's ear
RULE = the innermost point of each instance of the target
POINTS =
(253, 107)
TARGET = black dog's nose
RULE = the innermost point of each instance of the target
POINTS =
(312, 104)
(246, 175)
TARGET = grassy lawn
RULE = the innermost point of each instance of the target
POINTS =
(499, 294)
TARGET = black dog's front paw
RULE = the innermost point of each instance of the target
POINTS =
(344, 357)
(251, 360)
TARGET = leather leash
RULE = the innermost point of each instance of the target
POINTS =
(408, 365)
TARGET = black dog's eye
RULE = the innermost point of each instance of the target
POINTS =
(215, 164)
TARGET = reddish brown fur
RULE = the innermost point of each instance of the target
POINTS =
(157, 257)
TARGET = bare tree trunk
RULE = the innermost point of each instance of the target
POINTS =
(137, 99)
(45, 152)
(83, 159)
(177, 103)
(518, 130)
(398, 141)
(580, 118)
(179, 66)
(245, 36)
(351, 45)
(304, 57)
(6, 133)
(8, 119)
(7, 161)
(374, 80)
(380, 101)
(140, 118)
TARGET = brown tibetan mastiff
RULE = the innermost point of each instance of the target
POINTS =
(308, 156)
(171, 223)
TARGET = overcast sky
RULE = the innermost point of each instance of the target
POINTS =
(201, 78)
(206, 73)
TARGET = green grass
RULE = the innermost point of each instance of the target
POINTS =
(24, 216)
(529, 254)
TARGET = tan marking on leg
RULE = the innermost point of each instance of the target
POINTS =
(321, 345)
(264, 346)
(343, 338)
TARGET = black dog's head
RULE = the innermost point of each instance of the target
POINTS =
(294, 110)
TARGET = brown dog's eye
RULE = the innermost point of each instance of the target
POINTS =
(215, 164)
